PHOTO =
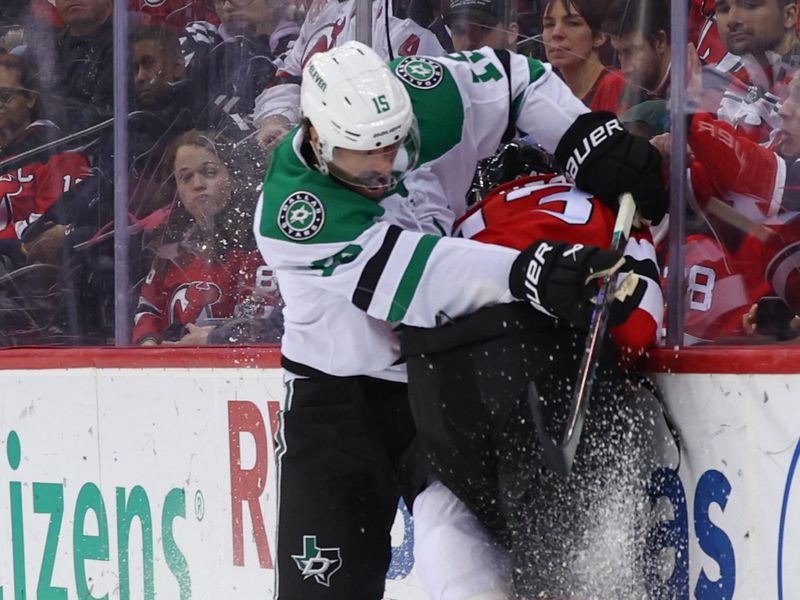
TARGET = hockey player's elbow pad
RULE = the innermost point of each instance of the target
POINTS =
(605, 160)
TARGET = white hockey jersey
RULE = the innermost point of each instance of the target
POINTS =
(464, 101)
(328, 24)
(351, 269)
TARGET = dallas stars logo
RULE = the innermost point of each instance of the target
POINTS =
(316, 562)
(419, 72)
(301, 216)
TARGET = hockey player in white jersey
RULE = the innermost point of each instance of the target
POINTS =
(346, 220)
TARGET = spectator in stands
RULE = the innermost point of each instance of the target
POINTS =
(232, 63)
(573, 44)
(757, 28)
(13, 13)
(158, 66)
(763, 36)
(640, 34)
(207, 267)
(86, 211)
(76, 64)
(477, 23)
(28, 189)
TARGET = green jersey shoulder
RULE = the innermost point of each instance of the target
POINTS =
(302, 205)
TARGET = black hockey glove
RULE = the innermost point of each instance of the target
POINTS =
(559, 279)
(605, 160)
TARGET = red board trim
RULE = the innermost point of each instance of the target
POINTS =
(263, 357)
(778, 360)
(709, 359)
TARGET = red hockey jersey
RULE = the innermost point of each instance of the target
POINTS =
(547, 207)
(199, 289)
(721, 286)
(27, 192)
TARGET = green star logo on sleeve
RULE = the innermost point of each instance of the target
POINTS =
(301, 216)
(420, 72)
(316, 562)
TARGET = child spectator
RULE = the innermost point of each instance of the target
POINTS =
(477, 23)
(206, 267)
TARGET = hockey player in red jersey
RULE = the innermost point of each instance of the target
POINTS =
(467, 382)
(549, 207)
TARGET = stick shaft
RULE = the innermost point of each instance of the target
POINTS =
(599, 321)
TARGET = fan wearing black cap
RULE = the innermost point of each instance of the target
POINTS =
(477, 23)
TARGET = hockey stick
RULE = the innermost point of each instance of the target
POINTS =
(560, 456)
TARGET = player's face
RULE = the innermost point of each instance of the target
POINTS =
(245, 17)
(639, 60)
(364, 171)
(568, 39)
(753, 26)
(83, 16)
(204, 183)
(15, 104)
(789, 113)
(469, 35)
(154, 72)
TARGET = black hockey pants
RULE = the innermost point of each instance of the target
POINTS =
(340, 446)
(467, 388)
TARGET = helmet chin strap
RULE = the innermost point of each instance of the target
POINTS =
(322, 164)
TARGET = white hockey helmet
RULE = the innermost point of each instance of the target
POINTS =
(354, 102)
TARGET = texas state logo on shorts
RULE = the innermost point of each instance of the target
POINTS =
(420, 72)
(301, 216)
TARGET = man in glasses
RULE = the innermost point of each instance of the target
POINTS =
(230, 64)
(27, 191)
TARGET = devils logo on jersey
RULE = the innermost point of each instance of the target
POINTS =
(192, 300)
(323, 39)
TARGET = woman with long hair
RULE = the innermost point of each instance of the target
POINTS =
(207, 269)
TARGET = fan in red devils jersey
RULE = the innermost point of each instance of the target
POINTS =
(207, 267)
(547, 207)
(28, 191)
(747, 198)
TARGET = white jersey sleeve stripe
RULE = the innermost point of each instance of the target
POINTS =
(411, 277)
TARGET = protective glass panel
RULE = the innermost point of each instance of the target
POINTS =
(56, 100)
(190, 269)
(196, 166)
(741, 281)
